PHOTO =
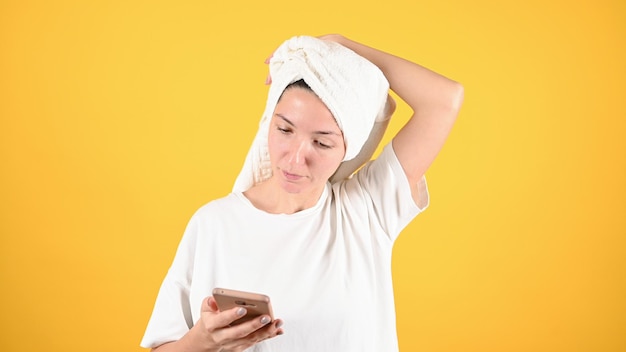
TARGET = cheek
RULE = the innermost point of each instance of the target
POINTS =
(276, 147)
(332, 164)
(270, 147)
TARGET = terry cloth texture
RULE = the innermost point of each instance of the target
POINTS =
(354, 90)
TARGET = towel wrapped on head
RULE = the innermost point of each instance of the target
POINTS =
(354, 90)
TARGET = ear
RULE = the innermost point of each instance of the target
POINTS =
(347, 168)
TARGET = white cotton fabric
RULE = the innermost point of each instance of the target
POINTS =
(327, 269)
(353, 89)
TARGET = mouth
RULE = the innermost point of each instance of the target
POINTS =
(291, 177)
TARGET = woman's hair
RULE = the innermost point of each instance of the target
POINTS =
(297, 84)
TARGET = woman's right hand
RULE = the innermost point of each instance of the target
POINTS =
(213, 332)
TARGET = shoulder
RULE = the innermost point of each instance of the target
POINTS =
(373, 180)
(383, 171)
(230, 200)
(216, 208)
(382, 187)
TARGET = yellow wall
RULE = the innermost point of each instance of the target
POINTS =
(119, 118)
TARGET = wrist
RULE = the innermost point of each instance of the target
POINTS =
(334, 37)
(194, 340)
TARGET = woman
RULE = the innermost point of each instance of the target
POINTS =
(321, 250)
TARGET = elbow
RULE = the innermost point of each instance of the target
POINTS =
(449, 101)
(457, 94)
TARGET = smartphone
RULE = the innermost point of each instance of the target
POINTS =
(255, 303)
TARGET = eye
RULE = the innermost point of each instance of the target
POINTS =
(323, 145)
(283, 130)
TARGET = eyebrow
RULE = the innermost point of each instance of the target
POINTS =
(316, 132)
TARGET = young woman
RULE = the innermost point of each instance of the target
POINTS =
(320, 250)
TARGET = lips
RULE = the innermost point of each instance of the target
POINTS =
(291, 177)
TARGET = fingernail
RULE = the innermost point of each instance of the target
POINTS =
(280, 332)
(279, 324)
(241, 311)
(265, 320)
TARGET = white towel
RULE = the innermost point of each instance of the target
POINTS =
(353, 89)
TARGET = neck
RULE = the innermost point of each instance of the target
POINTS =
(271, 198)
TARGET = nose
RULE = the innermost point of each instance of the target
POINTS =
(299, 151)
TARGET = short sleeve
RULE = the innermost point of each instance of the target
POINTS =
(172, 317)
(386, 186)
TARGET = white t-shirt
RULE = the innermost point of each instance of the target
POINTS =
(326, 269)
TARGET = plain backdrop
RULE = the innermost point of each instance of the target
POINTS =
(118, 119)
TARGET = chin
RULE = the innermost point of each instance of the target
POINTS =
(293, 188)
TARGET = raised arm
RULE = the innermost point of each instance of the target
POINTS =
(435, 101)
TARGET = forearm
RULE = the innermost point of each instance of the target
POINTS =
(185, 344)
(166, 347)
(421, 88)
(435, 101)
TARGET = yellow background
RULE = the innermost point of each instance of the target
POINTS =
(120, 118)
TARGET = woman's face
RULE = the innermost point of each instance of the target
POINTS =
(305, 144)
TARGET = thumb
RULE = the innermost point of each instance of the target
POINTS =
(209, 305)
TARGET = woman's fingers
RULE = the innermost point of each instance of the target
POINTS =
(209, 305)
(218, 330)
(218, 324)
(268, 79)
(227, 317)
(213, 319)
(248, 334)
